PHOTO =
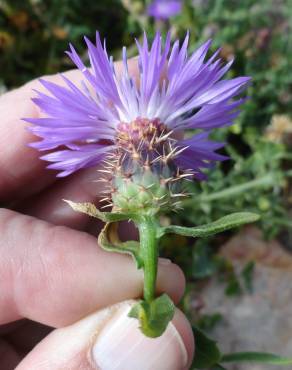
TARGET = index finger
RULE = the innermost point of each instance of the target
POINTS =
(55, 275)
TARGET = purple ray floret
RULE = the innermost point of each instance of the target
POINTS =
(164, 9)
(80, 124)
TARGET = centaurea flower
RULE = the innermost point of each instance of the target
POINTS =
(134, 131)
(175, 93)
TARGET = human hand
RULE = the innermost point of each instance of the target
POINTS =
(53, 274)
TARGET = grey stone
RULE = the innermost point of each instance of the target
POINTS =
(261, 321)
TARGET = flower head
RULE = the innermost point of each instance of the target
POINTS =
(164, 9)
(139, 124)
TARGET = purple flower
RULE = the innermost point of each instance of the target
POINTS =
(175, 93)
(164, 9)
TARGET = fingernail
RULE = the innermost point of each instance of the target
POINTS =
(120, 345)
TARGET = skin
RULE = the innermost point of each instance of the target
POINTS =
(52, 272)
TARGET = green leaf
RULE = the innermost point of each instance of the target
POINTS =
(208, 322)
(224, 223)
(260, 357)
(91, 210)
(154, 316)
(233, 288)
(247, 275)
(109, 240)
(207, 353)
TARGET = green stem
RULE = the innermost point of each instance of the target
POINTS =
(267, 180)
(149, 254)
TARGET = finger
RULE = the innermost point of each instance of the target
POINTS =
(49, 205)
(110, 340)
(80, 187)
(20, 166)
(56, 275)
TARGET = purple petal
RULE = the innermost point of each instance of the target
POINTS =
(182, 92)
(199, 154)
(69, 161)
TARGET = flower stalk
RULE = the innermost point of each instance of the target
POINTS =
(149, 255)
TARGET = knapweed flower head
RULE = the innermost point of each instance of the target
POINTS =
(135, 128)
(164, 9)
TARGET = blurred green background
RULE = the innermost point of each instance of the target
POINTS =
(35, 33)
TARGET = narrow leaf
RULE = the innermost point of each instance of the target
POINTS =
(207, 353)
(260, 357)
(91, 210)
(224, 223)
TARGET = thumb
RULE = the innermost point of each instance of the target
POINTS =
(110, 340)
